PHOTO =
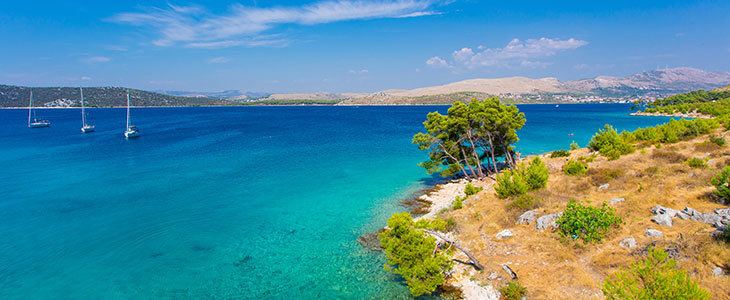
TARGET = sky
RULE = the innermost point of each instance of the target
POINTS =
(350, 46)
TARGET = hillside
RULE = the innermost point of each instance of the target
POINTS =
(16, 96)
(723, 89)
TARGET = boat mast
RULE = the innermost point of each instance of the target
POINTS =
(30, 106)
(83, 115)
(127, 110)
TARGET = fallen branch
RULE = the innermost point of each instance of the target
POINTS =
(474, 261)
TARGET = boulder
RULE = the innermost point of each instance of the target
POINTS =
(629, 243)
(664, 210)
(505, 234)
(692, 213)
(528, 217)
(604, 187)
(547, 221)
(653, 233)
(616, 200)
(662, 219)
(724, 212)
(710, 218)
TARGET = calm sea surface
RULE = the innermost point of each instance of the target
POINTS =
(220, 203)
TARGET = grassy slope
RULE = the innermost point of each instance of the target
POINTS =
(555, 269)
(723, 89)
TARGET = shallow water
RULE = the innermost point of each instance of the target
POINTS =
(212, 203)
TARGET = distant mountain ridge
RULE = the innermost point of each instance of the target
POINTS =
(227, 94)
(18, 96)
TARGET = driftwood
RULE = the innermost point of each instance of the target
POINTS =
(509, 271)
(474, 261)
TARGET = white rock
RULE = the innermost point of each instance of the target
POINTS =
(629, 243)
(664, 210)
(718, 272)
(547, 221)
(528, 217)
(604, 187)
(505, 234)
(653, 233)
(662, 219)
(616, 200)
(472, 290)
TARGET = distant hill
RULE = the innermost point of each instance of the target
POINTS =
(723, 89)
(227, 94)
(17, 96)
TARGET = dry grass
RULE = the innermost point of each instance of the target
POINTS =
(553, 268)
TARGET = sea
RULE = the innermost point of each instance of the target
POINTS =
(225, 202)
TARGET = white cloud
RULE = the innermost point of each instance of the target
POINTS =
(85, 78)
(358, 72)
(193, 26)
(525, 53)
(218, 60)
(96, 59)
(437, 62)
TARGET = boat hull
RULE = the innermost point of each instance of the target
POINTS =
(131, 134)
(39, 124)
(87, 129)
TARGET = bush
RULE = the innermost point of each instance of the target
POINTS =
(574, 146)
(722, 184)
(410, 253)
(471, 190)
(522, 179)
(537, 174)
(717, 141)
(657, 277)
(513, 291)
(510, 183)
(609, 143)
(588, 159)
(574, 167)
(588, 223)
(723, 236)
(560, 153)
(696, 163)
(524, 202)
(459, 202)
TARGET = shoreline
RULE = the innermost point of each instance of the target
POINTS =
(296, 105)
(678, 115)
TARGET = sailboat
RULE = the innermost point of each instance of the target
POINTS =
(132, 131)
(85, 128)
(35, 122)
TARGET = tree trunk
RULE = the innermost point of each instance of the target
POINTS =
(474, 261)
(491, 151)
(466, 160)
(453, 158)
(476, 156)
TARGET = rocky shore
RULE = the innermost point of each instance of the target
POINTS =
(692, 115)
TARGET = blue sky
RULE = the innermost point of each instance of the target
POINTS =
(350, 46)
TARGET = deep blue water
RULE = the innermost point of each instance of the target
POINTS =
(215, 203)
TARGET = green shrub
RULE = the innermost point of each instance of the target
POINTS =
(588, 223)
(471, 190)
(657, 277)
(537, 174)
(513, 291)
(717, 141)
(524, 202)
(459, 202)
(588, 159)
(609, 143)
(696, 163)
(560, 153)
(574, 146)
(410, 253)
(722, 184)
(510, 183)
(574, 167)
(723, 236)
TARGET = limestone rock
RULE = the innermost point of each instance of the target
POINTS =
(662, 219)
(653, 233)
(505, 234)
(604, 187)
(616, 200)
(528, 217)
(547, 221)
(664, 210)
(629, 243)
(718, 272)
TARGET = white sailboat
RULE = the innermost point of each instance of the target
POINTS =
(85, 128)
(35, 122)
(132, 131)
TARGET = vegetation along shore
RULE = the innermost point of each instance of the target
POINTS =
(631, 215)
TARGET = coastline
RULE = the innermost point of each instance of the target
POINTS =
(677, 115)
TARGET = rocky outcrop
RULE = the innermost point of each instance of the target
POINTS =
(629, 243)
(654, 233)
(719, 218)
(616, 200)
(547, 221)
(528, 217)
(662, 219)
(504, 234)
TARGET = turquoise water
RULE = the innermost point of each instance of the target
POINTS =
(216, 203)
